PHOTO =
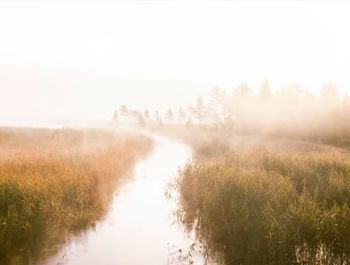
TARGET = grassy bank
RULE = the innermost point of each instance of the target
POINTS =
(53, 182)
(266, 201)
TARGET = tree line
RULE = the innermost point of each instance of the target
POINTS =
(291, 110)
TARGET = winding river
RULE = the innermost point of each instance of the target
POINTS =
(139, 227)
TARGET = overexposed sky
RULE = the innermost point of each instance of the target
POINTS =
(82, 59)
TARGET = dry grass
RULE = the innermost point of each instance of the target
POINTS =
(268, 202)
(54, 181)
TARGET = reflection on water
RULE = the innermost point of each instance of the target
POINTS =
(139, 228)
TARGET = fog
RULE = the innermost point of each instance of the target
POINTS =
(82, 60)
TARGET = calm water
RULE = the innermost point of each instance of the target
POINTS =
(140, 227)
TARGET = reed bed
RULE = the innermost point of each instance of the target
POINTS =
(57, 182)
(269, 203)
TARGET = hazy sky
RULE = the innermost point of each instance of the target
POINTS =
(69, 60)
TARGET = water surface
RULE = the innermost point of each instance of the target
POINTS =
(140, 227)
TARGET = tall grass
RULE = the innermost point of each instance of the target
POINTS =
(269, 205)
(56, 182)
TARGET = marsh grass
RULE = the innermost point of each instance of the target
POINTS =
(57, 182)
(269, 203)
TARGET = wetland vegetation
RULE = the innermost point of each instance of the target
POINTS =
(268, 201)
(182, 132)
(269, 182)
(57, 182)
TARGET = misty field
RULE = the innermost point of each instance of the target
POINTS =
(267, 200)
(56, 182)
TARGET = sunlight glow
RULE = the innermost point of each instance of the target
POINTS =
(62, 60)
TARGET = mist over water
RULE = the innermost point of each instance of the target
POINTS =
(141, 225)
(252, 99)
(142, 55)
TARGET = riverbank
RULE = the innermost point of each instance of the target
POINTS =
(265, 200)
(140, 224)
(57, 182)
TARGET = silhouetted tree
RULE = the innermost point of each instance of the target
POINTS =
(218, 102)
(115, 116)
(146, 114)
(244, 91)
(124, 110)
(190, 110)
(199, 110)
(157, 117)
(139, 117)
(181, 115)
(265, 93)
(170, 115)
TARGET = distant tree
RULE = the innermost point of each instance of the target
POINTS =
(200, 109)
(244, 91)
(124, 113)
(170, 115)
(146, 115)
(139, 117)
(291, 97)
(239, 110)
(241, 97)
(217, 97)
(157, 117)
(124, 110)
(115, 116)
(181, 114)
(265, 93)
(218, 101)
(329, 93)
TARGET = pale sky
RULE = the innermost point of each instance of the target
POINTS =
(83, 59)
